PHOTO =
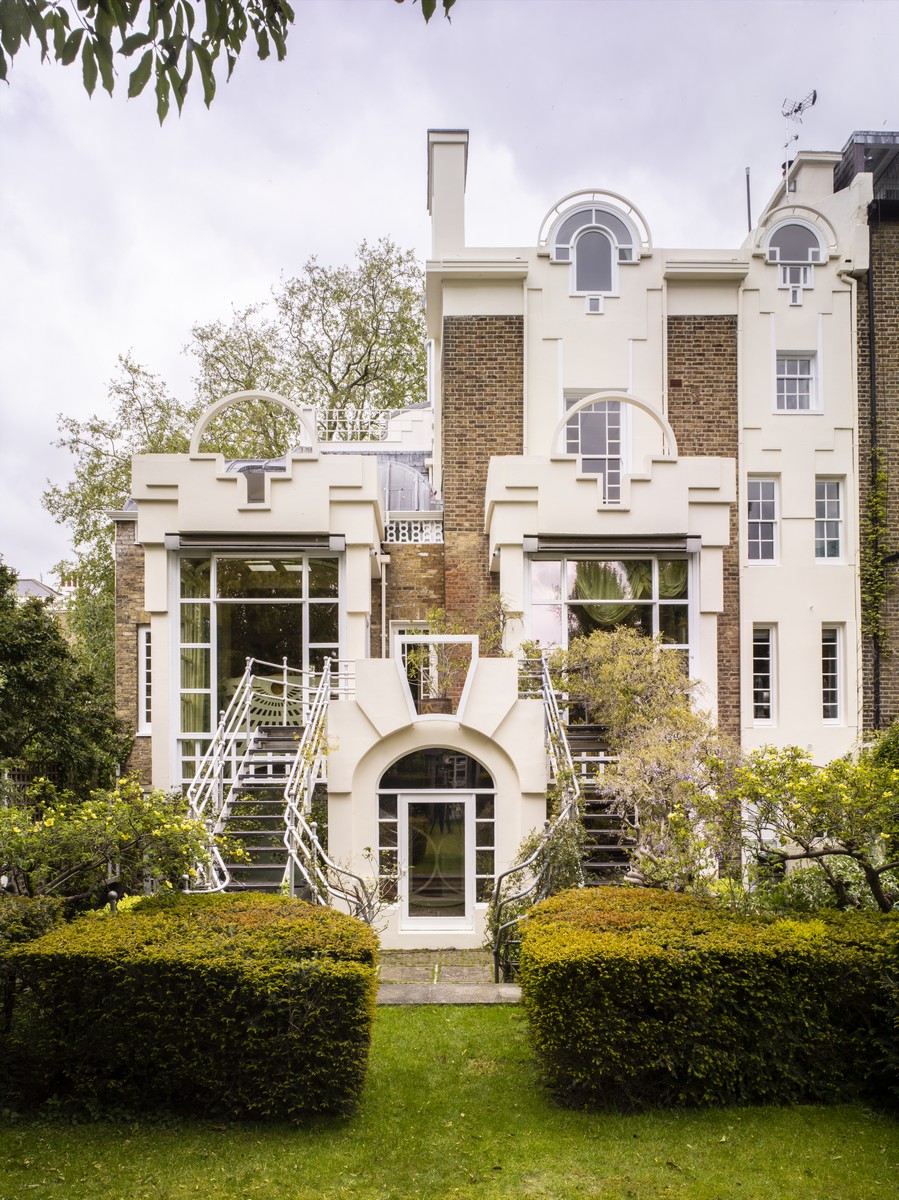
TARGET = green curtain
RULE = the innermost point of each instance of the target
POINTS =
(601, 581)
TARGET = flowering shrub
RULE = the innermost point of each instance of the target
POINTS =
(844, 813)
(58, 844)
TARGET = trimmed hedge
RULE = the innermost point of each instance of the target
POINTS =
(246, 1005)
(639, 997)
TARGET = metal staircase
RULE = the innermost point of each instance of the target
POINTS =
(255, 821)
(578, 757)
(255, 787)
(608, 840)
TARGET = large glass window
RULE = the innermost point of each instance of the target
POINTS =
(571, 597)
(267, 607)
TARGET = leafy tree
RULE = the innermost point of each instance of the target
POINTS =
(51, 710)
(350, 340)
(163, 38)
(845, 812)
(59, 845)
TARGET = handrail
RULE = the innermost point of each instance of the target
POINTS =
(210, 793)
(322, 875)
(561, 771)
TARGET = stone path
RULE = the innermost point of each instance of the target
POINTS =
(441, 977)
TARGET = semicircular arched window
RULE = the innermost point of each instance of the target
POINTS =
(794, 247)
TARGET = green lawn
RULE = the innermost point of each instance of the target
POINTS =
(452, 1109)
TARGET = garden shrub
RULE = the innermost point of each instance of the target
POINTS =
(641, 997)
(22, 919)
(246, 1005)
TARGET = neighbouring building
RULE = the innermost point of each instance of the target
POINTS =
(685, 441)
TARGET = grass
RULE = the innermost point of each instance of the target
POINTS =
(453, 1110)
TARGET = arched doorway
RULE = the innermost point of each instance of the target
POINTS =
(436, 816)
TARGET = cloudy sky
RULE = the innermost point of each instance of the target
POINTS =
(116, 235)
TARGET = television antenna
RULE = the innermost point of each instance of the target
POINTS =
(792, 111)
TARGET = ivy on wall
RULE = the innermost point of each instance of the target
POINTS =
(873, 569)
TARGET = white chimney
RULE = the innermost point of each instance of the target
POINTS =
(447, 169)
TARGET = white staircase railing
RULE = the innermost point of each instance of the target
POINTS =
(266, 693)
(535, 868)
(325, 879)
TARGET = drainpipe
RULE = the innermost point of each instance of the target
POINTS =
(384, 560)
(872, 379)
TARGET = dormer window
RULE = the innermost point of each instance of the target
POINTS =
(794, 247)
(594, 241)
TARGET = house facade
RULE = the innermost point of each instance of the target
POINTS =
(683, 441)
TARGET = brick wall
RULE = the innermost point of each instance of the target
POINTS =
(483, 416)
(702, 410)
(885, 267)
(414, 587)
(129, 613)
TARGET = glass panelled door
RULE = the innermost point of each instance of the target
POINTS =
(437, 859)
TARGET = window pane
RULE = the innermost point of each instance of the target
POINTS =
(546, 624)
(195, 669)
(584, 618)
(484, 808)
(673, 578)
(483, 833)
(195, 577)
(195, 713)
(674, 624)
(546, 580)
(387, 807)
(323, 623)
(593, 262)
(794, 243)
(611, 580)
(259, 578)
(270, 632)
(195, 623)
(323, 573)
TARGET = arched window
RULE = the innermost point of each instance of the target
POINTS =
(593, 262)
(794, 243)
(794, 247)
(594, 240)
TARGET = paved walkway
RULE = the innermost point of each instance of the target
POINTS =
(441, 977)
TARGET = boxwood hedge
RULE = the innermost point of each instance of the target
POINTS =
(246, 1005)
(639, 997)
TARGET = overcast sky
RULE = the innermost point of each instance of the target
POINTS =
(116, 235)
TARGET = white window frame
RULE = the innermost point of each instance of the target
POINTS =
(757, 522)
(199, 740)
(794, 275)
(783, 376)
(764, 634)
(611, 486)
(144, 680)
(823, 520)
(832, 692)
(657, 602)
